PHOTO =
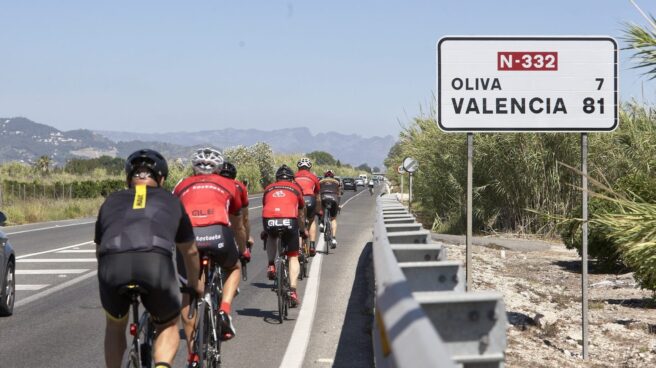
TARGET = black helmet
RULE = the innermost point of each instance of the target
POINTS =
(150, 159)
(284, 173)
(228, 170)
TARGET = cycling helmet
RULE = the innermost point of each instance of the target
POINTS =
(284, 173)
(329, 174)
(207, 161)
(228, 170)
(151, 160)
(304, 163)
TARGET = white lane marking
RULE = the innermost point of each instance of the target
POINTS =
(252, 208)
(255, 197)
(53, 250)
(61, 271)
(77, 251)
(325, 360)
(56, 260)
(27, 287)
(298, 343)
(297, 346)
(51, 227)
(55, 289)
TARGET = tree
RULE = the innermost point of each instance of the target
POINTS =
(364, 167)
(321, 158)
(376, 169)
(643, 41)
(338, 163)
(43, 164)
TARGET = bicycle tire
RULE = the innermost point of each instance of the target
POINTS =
(327, 232)
(280, 282)
(199, 343)
(287, 289)
(216, 294)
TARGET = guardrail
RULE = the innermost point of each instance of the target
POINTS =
(424, 317)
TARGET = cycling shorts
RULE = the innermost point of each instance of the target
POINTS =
(216, 241)
(153, 272)
(289, 229)
(333, 201)
(311, 206)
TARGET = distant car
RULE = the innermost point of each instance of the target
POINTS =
(359, 182)
(7, 273)
(349, 184)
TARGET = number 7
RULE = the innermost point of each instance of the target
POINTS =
(601, 83)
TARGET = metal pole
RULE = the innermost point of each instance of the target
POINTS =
(584, 243)
(402, 176)
(410, 192)
(470, 179)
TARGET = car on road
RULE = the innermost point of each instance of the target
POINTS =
(7, 273)
(359, 182)
(349, 184)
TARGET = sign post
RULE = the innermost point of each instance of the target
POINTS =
(410, 165)
(401, 171)
(529, 84)
(470, 185)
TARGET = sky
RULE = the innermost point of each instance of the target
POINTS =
(354, 67)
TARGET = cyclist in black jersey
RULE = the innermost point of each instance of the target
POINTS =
(136, 232)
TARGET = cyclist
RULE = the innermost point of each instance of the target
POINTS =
(229, 170)
(330, 193)
(371, 186)
(283, 208)
(309, 183)
(135, 233)
(215, 210)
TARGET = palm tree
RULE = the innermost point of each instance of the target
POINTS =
(43, 164)
(642, 39)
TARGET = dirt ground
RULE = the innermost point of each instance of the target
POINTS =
(542, 296)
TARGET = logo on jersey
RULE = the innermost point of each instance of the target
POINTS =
(279, 222)
(279, 194)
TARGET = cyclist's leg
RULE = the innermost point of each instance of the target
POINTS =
(227, 257)
(310, 215)
(156, 274)
(271, 246)
(292, 241)
(187, 323)
(113, 273)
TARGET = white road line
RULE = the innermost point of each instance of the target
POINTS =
(53, 250)
(27, 287)
(298, 343)
(77, 251)
(51, 227)
(56, 260)
(252, 208)
(62, 271)
(55, 289)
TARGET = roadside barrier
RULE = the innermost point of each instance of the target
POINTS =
(424, 317)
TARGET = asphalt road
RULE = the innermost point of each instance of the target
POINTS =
(58, 320)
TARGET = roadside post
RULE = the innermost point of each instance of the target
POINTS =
(410, 165)
(401, 171)
(529, 84)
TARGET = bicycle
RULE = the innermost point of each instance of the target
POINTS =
(304, 255)
(282, 285)
(142, 330)
(207, 330)
(327, 226)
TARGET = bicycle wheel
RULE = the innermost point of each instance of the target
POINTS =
(211, 342)
(287, 289)
(327, 232)
(280, 291)
(199, 337)
(147, 344)
(131, 358)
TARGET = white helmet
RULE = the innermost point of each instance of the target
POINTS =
(207, 161)
(304, 162)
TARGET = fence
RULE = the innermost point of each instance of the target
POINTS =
(11, 190)
(424, 317)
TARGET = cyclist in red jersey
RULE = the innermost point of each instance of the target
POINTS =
(214, 208)
(229, 170)
(283, 210)
(309, 183)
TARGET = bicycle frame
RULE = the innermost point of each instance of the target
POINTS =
(207, 332)
(138, 356)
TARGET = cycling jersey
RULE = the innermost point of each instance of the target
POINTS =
(308, 182)
(282, 199)
(141, 219)
(329, 185)
(242, 192)
(209, 199)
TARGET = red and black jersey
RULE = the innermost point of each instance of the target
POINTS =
(282, 199)
(209, 199)
(242, 192)
(308, 182)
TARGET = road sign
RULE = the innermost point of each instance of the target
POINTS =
(410, 164)
(527, 84)
(401, 170)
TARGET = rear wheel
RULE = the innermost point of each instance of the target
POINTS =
(8, 291)
(131, 358)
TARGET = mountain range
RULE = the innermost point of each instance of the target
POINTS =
(24, 140)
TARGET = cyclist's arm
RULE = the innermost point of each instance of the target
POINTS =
(189, 253)
(246, 222)
(237, 226)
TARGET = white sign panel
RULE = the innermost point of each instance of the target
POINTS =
(410, 165)
(527, 84)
